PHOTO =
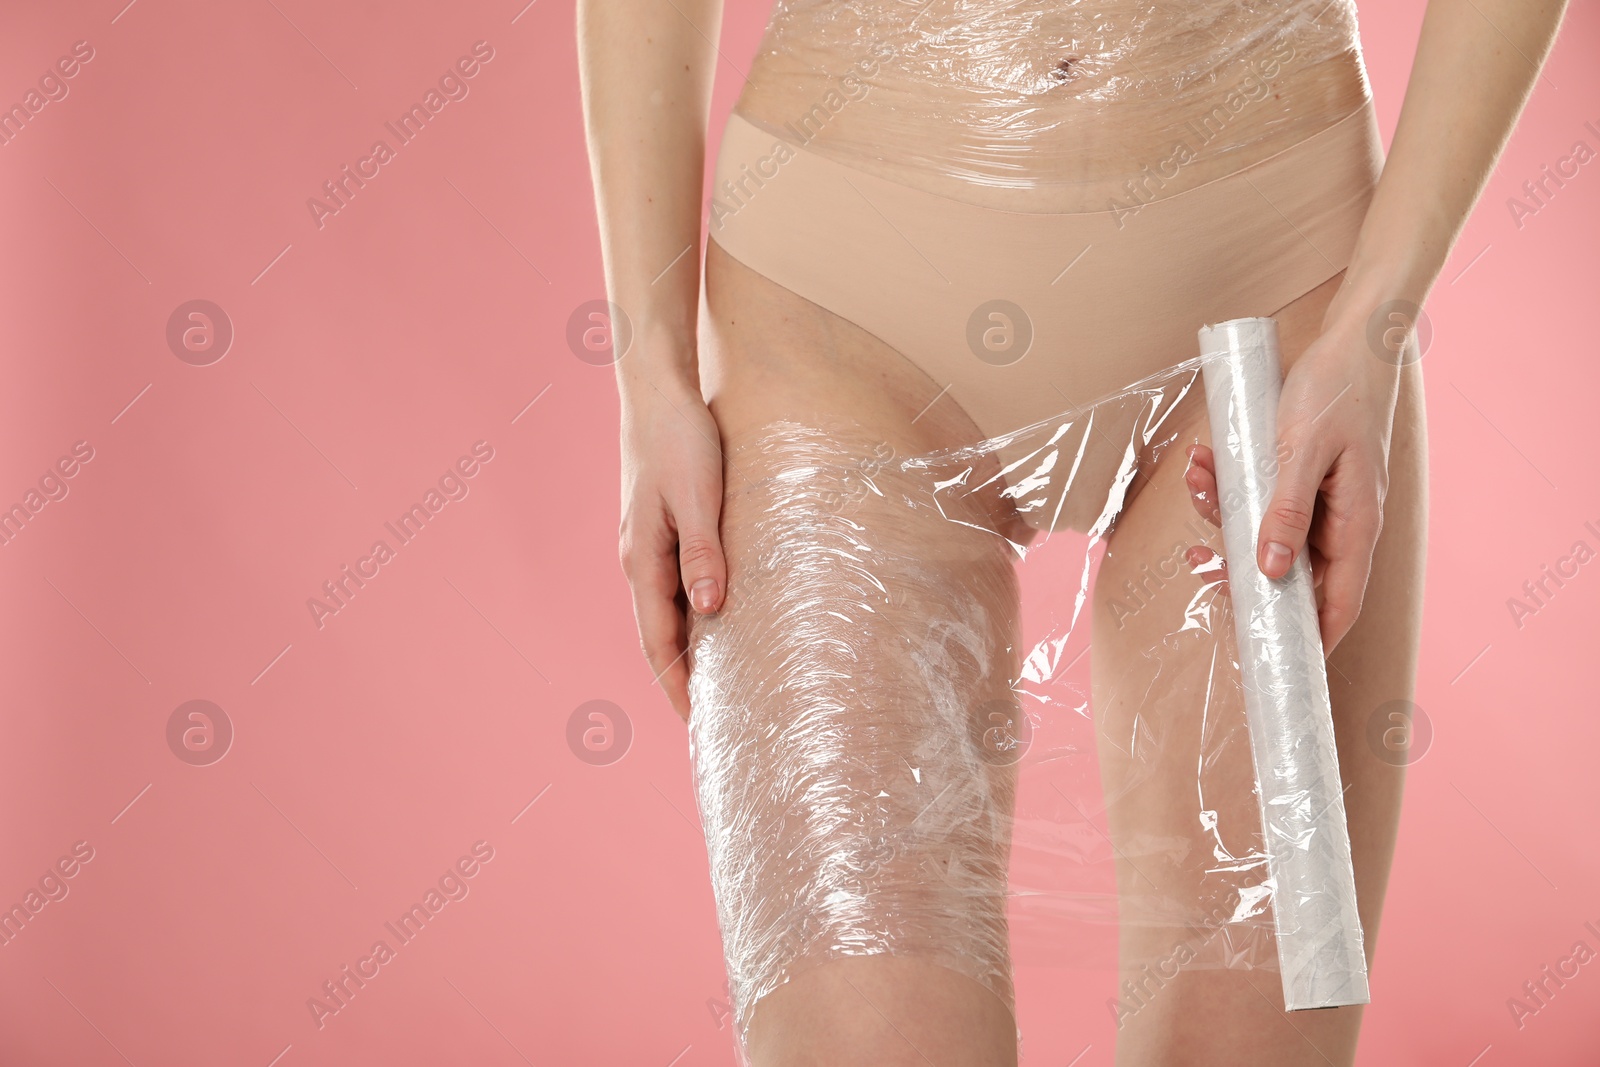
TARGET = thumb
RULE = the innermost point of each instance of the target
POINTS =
(700, 559)
(1287, 521)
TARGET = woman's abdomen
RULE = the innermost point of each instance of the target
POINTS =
(1046, 105)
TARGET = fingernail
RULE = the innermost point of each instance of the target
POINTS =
(1278, 557)
(703, 594)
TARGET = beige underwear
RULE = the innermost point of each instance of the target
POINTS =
(1023, 316)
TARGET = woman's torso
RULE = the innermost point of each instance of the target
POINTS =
(1044, 105)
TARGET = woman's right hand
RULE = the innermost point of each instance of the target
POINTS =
(669, 541)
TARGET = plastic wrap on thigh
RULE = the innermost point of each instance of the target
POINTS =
(1214, 833)
(851, 705)
(1135, 804)
(895, 745)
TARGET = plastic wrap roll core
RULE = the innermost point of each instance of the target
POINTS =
(1320, 950)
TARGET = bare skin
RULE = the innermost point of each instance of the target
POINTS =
(1353, 496)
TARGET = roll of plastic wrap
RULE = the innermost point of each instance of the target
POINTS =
(1320, 951)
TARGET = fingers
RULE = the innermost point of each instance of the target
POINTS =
(1208, 563)
(1346, 538)
(1318, 563)
(651, 566)
(1287, 522)
(1344, 588)
(673, 559)
(1201, 478)
(703, 570)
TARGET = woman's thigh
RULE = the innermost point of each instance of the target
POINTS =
(1175, 758)
(768, 353)
(856, 823)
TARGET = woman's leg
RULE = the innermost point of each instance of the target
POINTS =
(1202, 1017)
(837, 690)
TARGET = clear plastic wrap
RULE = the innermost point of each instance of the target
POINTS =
(1320, 949)
(1018, 93)
(904, 740)
(851, 803)
(897, 746)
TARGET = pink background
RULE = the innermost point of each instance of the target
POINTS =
(430, 713)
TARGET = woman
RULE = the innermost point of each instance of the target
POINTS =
(931, 224)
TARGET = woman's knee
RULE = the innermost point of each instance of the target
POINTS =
(872, 1011)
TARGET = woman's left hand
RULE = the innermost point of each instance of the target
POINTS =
(1335, 419)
